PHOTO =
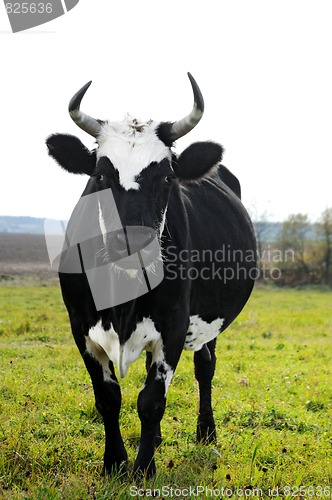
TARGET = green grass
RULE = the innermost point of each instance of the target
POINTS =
(272, 399)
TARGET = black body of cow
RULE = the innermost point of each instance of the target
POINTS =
(208, 249)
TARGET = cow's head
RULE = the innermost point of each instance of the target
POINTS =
(135, 161)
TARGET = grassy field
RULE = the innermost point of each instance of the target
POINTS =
(272, 400)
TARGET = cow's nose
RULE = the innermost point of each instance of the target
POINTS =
(139, 238)
(130, 241)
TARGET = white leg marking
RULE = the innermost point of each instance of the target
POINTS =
(200, 332)
(103, 345)
(142, 338)
(164, 371)
(99, 354)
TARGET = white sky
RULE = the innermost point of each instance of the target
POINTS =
(264, 69)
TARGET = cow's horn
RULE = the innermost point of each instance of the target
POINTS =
(182, 127)
(85, 122)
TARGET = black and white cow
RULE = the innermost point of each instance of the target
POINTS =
(207, 248)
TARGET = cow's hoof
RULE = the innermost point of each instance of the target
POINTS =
(116, 468)
(206, 432)
(146, 472)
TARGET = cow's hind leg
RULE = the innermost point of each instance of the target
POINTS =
(108, 403)
(205, 363)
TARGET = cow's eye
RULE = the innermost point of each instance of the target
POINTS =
(169, 179)
(99, 177)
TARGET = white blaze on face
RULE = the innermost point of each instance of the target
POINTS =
(102, 223)
(131, 146)
(163, 222)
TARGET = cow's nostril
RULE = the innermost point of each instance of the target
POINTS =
(118, 246)
(121, 242)
(121, 238)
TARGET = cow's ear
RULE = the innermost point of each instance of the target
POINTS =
(71, 154)
(197, 160)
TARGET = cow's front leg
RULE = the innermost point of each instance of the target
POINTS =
(152, 401)
(205, 363)
(148, 364)
(108, 403)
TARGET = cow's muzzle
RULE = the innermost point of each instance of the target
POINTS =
(133, 246)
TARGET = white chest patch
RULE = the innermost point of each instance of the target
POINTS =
(144, 337)
(131, 146)
(200, 332)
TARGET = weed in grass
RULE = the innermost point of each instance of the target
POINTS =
(315, 406)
